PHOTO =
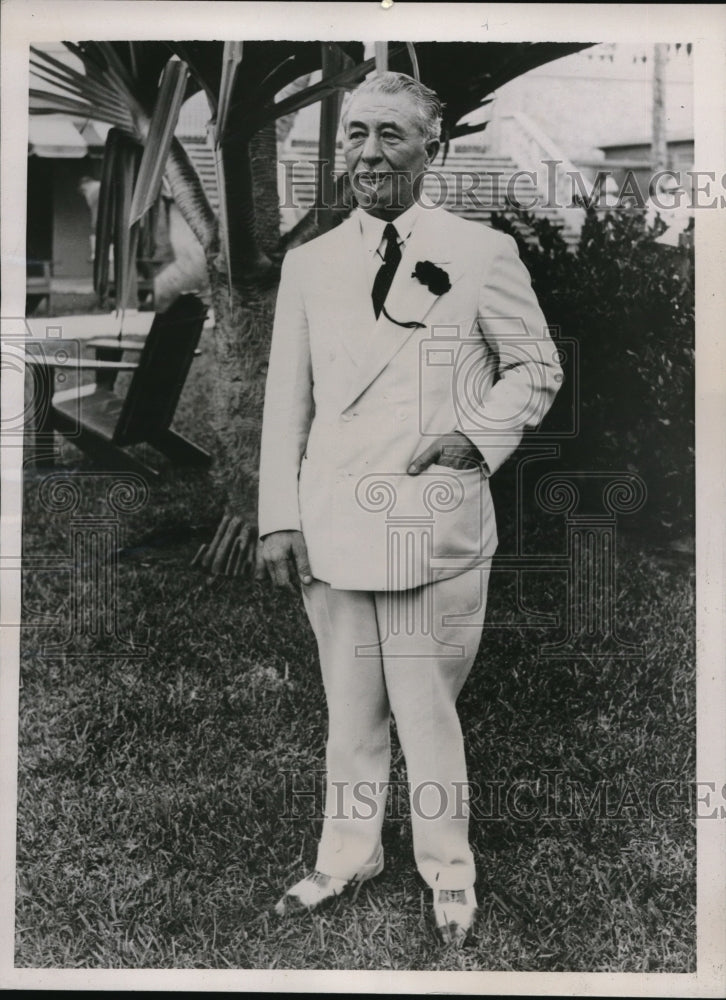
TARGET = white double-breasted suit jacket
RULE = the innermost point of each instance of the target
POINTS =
(352, 399)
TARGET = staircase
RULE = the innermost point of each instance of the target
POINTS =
(202, 157)
(470, 183)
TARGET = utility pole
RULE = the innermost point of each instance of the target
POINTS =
(659, 147)
(381, 54)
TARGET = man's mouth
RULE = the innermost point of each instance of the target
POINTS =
(372, 181)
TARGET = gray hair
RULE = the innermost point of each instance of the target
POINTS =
(427, 101)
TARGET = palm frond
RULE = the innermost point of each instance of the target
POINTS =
(55, 104)
(95, 68)
(333, 61)
(93, 94)
(461, 130)
(97, 98)
(115, 65)
(186, 53)
(415, 72)
(102, 63)
(310, 95)
(107, 96)
(158, 139)
(90, 91)
(270, 82)
(124, 237)
(104, 219)
(69, 72)
(133, 63)
(95, 65)
(231, 58)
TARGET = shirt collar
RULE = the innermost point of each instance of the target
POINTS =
(372, 228)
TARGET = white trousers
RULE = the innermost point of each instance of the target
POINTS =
(407, 653)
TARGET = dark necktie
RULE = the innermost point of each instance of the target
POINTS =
(387, 270)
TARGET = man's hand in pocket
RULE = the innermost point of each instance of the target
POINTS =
(453, 450)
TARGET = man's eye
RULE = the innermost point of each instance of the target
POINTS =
(391, 136)
(355, 135)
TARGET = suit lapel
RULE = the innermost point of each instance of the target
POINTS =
(407, 301)
(349, 294)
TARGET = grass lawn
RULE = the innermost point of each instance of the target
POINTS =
(154, 819)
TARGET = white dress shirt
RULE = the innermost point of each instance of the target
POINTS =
(374, 241)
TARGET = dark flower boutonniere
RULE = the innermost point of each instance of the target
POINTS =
(435, 278)
(437, 282)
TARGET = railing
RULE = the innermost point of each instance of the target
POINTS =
(551, 170)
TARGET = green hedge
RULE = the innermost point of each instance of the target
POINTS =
(629, 303)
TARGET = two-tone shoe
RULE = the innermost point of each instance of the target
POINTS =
(454, 912)
(317, 890)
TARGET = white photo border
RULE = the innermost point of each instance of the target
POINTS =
(25, 21)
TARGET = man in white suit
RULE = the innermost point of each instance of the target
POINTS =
(408, 355)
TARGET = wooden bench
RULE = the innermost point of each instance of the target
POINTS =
(102, 423)
(38, 285)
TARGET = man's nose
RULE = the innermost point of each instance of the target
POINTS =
(371, 150)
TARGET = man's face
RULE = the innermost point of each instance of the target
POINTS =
(385, 152)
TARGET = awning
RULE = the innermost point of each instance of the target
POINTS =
(55, 137)
(95, 133)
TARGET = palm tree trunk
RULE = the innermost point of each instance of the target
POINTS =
(263, 162)
(243, 325)
(243, 321)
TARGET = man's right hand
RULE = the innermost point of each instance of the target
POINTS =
(284, 555)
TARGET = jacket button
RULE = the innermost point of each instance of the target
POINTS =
(346, 417)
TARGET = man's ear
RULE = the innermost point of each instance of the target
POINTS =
(432, 148)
